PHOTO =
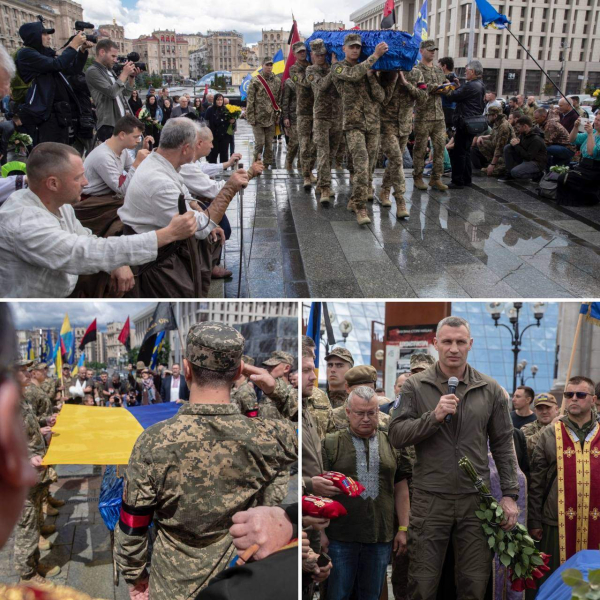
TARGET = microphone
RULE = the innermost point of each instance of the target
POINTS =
(452, 385)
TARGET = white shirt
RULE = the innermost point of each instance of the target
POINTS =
(152, 196)
(211, 169)
(118, 96)
(198, 182)
(175, 389)
(42, 254)
(104, 170)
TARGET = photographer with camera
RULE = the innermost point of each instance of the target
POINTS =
(109, 90)
(50, 105)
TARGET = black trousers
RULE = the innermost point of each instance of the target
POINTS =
(461, 157)
(220, 150)
(479, 160)
(51, 131)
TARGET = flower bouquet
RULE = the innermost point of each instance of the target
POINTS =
(560, 169)
(20, 141)
(596, 95)
(234, 112)
(146, 118)
(515, 549)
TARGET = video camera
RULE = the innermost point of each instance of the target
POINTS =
(133, 57)
(82, 25)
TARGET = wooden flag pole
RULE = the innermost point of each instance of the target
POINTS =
(579, 322)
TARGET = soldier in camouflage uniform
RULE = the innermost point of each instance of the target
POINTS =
(396, 124)
(488, 152)
(290, 122)
(339, 360)
(243, 394)
(304, 111)
(429, 121)
(279, 365)
(261, 114)
(327, 128)
(358, 89)
(546, 410)
(36, 397)
(319, 405)
(191, 473)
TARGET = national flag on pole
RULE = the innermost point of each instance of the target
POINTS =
(157, 348)
(162, 320)
(591, 310)
(244, 86)
(125, 335)
(313, 331)
(389, 15)
(58, 357)
(278, 67)
(291, 59)
(90, 335)
(30, 354)
(47, 349)
(80, 363)
(421, 31)
(66, 336)
(490, 17)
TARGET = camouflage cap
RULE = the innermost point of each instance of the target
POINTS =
(267, 60)
(214, 346)
(22, 364)
(341, 353)
(277, 357)
(494, 110)
(248, 360)
(544, 399)
(139, 365)
(361, 375)
(36, 365)
(352, 39)
(421, 361)
(298, 46)
(318, 46)
(428, 45)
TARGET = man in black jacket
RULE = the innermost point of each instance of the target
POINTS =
(174, 388)
(470, 102)
(50, 105)
(525, 157)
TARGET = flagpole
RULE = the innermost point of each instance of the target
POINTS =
(472, 33)
(571, 360)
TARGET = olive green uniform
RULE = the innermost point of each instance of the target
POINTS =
(304, 112)
(288, 111)
(319, 405)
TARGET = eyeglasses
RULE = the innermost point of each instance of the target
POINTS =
(362, 415)
(580, 395)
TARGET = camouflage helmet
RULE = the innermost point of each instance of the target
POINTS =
(494, 110)
(277, 357)
(428, 45)
(343, 354)
(298, 46)
(421, 360)
(267, 60)
(214, 346)
(352, 39)
(318, 46)
(36, 365)
(23, 364)
(248, 360)
(361, 375)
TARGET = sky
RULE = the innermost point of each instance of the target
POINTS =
(42, 315)
(248, 17)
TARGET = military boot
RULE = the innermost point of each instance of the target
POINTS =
(438, 185)
(362, 218)
(401, 212)
(307, 184)
(371, 194)
(325, 196)
(313, 178)
(384, 196)
(48, 571)
(289, 166)
(55, 502)
(351, 206)
(47, 529)
(420, 184)
(44, 544)
(50, 510)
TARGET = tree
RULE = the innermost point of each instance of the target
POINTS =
(549, 89)
(95, 365)
(132, 355)
(165, 353)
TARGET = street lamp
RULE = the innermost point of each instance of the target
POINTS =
(345, 329)
(512, 312)
(379, 355)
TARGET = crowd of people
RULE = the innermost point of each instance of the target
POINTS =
(424, 118)
(226, 501)
(417, 507)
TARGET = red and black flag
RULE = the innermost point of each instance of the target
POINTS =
(90, 335)
(125, 335)
(291, 59)
(389, 15)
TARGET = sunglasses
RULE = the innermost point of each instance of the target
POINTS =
(580, 395)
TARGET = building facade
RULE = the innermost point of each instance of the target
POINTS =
(116, 353)
(195, 41)
(116, 33)
(272, 41)
(560, 35)
(164, 52)
(198, 63)
(329, 26)
(224, 50)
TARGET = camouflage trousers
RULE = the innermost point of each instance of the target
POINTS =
(263, 144)
(292, 145)
(327, 136)
(393, 148)
(341, 153)
(362, 147)
(486, 151)
(277, 490)
(27, 532)
(436, 130)
(307, 146)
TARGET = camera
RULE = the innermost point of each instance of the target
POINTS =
(82, 25)
(133, 57)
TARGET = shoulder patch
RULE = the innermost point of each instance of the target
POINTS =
(397, 402)
(295, 77)
(339, 69)
(311, 77)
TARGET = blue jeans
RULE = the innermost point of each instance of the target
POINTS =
(357, 566)
(559, 155)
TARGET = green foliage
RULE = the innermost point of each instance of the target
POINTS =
(132, 355)
(549, 89)
(165, 353)
(97, 366)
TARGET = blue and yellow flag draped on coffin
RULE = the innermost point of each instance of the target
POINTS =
(92, 435)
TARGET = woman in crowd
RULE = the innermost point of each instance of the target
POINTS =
(166, 110)
(157, 116)
(175, 101)
(198, 107)
(218, 121)
(135, 102)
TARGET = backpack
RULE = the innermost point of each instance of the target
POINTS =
(18, 88)
(548, 185)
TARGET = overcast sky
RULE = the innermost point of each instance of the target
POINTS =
(42, 315)
(247, 17)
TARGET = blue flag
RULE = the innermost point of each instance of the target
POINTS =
(313, 330)
(421, 30)
(30, 354)
(157, 346)
(591, 310)
(47, 349)
(79, 364)
(490, 17)
(244, 86)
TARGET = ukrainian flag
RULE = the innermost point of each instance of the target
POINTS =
(591, 310)
(79, 364)
(157, 348)
(490, 17)
(278, 69)
(30, 354)
(66, 334)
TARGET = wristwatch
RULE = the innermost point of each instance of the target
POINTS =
(515, 497)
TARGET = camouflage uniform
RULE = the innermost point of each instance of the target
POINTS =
(355, 89)
(49, 386)
(532, 432)
(39, 402)
(191, 474)
(396, 125)
(304, 112)
(319, 405)
(492, 149)
(430, 123)
(244, 397)
(261, 115)
(285, 398)
(27, 530)
(327, 131)
(288, 108)
(337, 398)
